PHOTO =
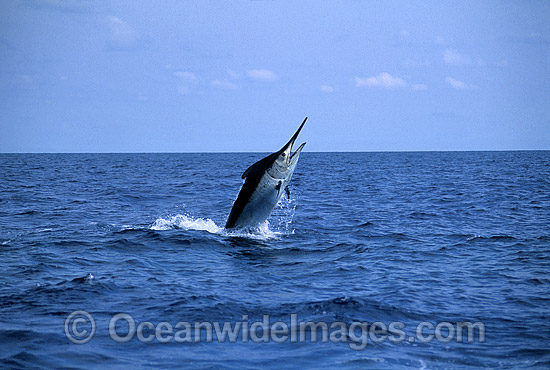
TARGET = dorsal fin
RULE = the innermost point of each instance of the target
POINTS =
(245, 173)
(260, 165)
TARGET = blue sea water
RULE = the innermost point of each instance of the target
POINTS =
(364, 237)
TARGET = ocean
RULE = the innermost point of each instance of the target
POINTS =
(432, 260)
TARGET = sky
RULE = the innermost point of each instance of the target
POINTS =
(240, 76)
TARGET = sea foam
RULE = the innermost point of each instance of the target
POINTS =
(187, 222)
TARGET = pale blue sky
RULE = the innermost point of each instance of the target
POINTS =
(186, 76)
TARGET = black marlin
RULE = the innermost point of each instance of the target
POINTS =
(266, 180)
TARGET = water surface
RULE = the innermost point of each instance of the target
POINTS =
(390, 237)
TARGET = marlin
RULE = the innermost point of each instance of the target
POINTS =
(266, 181)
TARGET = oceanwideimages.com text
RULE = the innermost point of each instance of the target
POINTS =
(80, 327)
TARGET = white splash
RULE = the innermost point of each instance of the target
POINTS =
(187, 222)
(89, 277)
(261, 233)
(283, 214)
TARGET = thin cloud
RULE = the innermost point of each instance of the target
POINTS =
(419, 87)
(383, 80)
(326, 89)
(456, 84)
(232, 74)
(122, 35)
(187, 76)
(24, 79)
(502, 63)
(183, 90)
(404, 35)
(223, 84)
(454, 58)
(262, 75)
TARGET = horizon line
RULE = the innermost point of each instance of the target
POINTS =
(326, 151)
